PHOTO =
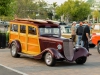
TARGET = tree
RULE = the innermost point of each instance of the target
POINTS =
(96, 14)
(24, 8)
(42, 11)
(74, 10)
(32, 8)
(51, 11)
(5, 8)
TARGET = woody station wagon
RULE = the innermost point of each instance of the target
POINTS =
(42, 39)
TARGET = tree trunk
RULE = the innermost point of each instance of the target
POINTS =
(67, 18)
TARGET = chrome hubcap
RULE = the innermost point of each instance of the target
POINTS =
(13, 50)
(48, 58)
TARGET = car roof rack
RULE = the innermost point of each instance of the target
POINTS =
(33, 20)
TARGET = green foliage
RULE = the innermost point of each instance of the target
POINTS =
(42, 10)
(95, 13)
(50, 14)
(5, 7)
(74, 10)
(25, 8)
(54, 4)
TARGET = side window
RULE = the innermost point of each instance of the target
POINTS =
(31, 30)
(22, 29)
(96, 27)
(14, 27)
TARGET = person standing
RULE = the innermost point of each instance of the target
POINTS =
(73, 32)
(86, 36)
(79, 32)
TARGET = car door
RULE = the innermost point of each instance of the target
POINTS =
(33, 46)
(23, 38)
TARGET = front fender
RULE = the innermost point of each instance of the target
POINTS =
(55, 53)
(80, 52)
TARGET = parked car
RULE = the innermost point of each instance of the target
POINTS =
(62, 24)
(42, 39)
(96, 35)
(66, 32)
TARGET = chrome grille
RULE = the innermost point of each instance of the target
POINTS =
(68, 49)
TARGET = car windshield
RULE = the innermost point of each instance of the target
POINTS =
(67, 29)
(49, 31)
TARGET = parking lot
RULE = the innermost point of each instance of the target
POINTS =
(30, 66)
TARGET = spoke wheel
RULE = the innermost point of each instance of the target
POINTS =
(49, 60)
(14, 50)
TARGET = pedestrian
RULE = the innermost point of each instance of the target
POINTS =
(86, 36)
(79, 32)
(73, 32)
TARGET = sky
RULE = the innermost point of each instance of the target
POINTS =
(59, 2)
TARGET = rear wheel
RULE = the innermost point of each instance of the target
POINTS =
(98, 47)
(13, 51)
(81, 60)
(49, 59)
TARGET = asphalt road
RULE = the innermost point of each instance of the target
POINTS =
(30, 66)
(5, 71)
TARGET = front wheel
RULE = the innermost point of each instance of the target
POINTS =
(98, 47)
(81, 60)
(13, 51)
(49, 59)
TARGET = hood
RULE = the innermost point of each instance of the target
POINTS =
(51, 42)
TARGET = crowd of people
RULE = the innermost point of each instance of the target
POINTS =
(82, 33)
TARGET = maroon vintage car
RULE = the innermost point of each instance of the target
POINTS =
(42, 39)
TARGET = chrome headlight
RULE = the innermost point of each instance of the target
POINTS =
(59, 46)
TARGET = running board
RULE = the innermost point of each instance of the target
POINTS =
(28, 55)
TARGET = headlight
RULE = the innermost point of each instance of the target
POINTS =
(59, 46)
